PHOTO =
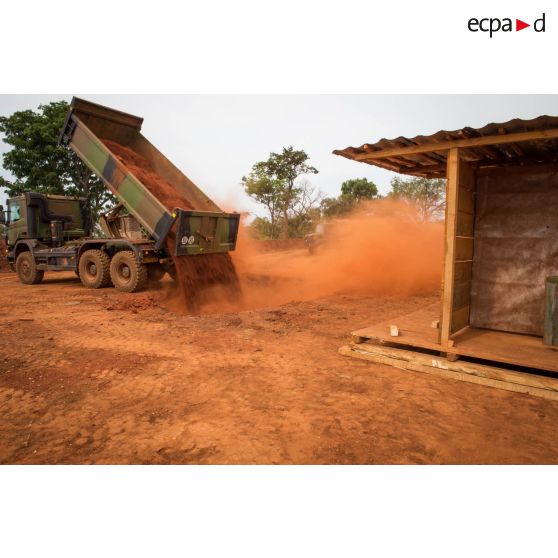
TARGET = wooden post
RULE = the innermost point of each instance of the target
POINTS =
(458, 254)
(452, 185)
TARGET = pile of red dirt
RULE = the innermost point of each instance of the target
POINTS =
(140, 167)
(195, 273)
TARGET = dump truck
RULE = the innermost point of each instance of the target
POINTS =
(141, 235)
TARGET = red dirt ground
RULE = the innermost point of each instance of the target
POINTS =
(107, 377)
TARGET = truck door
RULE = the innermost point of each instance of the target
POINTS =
(17, 226)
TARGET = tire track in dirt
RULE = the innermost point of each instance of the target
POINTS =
(83, 384)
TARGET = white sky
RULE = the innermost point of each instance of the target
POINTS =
(215, 139)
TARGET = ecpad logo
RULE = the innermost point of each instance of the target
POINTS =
(494, 24)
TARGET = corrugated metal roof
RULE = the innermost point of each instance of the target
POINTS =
(432, 161)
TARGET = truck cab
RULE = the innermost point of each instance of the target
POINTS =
(40, 232)
(47, 233)
(48, 219)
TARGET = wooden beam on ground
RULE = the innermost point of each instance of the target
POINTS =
(451, 144)
(482, 374)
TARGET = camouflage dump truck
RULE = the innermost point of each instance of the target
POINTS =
(46, 233)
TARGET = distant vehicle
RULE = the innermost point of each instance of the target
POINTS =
(325, 233)
(317, 238)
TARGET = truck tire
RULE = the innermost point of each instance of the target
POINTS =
(26, 269)
(127, 273)
(94, 269)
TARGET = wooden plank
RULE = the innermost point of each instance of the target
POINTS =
(452, 185)
(489, 376)
(460, 318)
(465, 224)
(461, 295)
(511, 348)
(543, 162)
(463, 248)
(466, 196)
(467, 182)
(456, 144)
(488, 371)
(463, 271)
(415, 330)
(484, 166)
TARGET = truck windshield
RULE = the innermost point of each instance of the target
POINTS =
(14, 210)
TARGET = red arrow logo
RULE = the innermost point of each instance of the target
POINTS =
(519, 25)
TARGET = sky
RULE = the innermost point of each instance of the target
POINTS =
(215, 139)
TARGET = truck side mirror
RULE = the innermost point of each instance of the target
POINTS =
(2, 215)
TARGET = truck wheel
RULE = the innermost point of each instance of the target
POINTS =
(26, 269)
(127, 274)
(94, 269)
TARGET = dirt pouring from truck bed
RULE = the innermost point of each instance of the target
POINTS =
(198, 275)
(381, 248)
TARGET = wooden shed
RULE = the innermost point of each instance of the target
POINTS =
(501, 240)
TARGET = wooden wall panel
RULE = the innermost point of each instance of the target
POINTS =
(465, 224)
(463, 272)
(460, 318)
(464, 248)
(516, 247)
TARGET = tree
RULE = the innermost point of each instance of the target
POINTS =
(286, 167)
(333, 207)
(40, 165)
(268, 191)
(359, 189)
(261, 228)
(353, 191)
(427, 195)
(305, 212)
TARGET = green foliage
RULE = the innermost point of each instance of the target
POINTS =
(299, 225)
(262, 229)
(427, 195)
(283, 169)
(334, 207)
(353, 191)
(272, 183)
(40, 165)
(268, 191)
(359, 189)
(287, 165)
(304, 222)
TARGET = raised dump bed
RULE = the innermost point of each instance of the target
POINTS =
(148, 185)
